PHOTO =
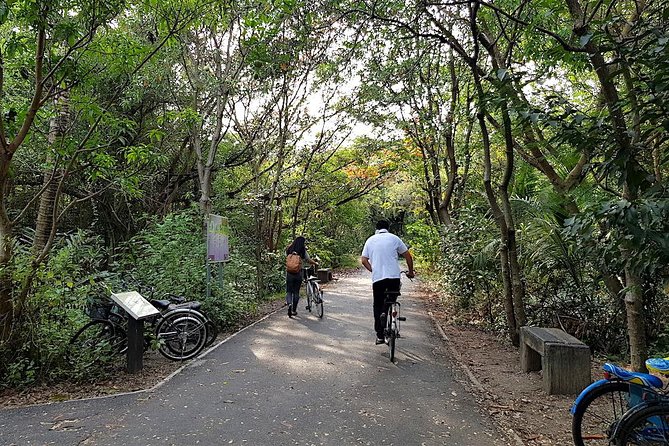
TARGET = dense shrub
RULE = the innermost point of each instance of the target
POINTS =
(56, 308)
(469, 267)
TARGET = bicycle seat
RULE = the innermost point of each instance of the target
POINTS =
(658, 365)
(161, 304)
(643, 379)
(194, 305)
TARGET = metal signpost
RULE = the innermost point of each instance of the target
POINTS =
(138, 309)
(218, 250)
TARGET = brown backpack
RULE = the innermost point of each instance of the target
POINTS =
(293, 263)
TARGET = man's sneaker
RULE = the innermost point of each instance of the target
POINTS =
(380, 341)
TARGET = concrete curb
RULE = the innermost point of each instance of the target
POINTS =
(513, 436)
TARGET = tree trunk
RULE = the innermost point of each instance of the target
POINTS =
(500, 214)
(636, 326)
(48, 204)
(634, 301)
(6, 307)
(515, 270)
(512, 326)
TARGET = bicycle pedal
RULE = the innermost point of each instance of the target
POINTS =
(402, 318)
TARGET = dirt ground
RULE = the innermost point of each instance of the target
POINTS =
(514, 399)
(489, 365)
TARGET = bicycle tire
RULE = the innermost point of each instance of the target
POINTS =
(596, 415)
(319, 304)
(648, 426)
(182, 335)
(310, 294)
(96, 341)
(212, 333)
(391, 344)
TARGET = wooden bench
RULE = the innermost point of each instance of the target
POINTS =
(565, 360)
(324, 275)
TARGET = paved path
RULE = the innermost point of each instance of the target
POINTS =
(300, 381)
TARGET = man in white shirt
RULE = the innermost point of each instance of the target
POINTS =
(379, 256)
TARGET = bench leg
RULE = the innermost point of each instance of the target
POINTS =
(530, 360)
(566, 368)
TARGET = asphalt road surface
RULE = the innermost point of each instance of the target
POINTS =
(299, 381)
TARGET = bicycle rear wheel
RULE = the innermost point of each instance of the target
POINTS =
(598, 412)
(391, 344)
(212, 333)
(649, 426)
(182, 335)
(318, 302)
(97, 342)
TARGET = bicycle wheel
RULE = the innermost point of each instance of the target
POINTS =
(310, 295)
(649, 426)
(391, 344)
(212, 333)
(181, 335)
(97, 342)
(596, 415)
(318, 302)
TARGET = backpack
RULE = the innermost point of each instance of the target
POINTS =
(293, 263)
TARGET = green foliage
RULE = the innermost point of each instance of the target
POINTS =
(55, 310)
(425, 242)
(169, 258)
(641, 229)
(469, 267)
(169, 255)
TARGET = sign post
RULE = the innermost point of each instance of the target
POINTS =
(138, 309)
(218, 250)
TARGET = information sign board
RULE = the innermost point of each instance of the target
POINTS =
(217, 239)
(134, 303)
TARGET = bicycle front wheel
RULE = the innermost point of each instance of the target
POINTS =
(598, 412)
(182, 335)
(310, 295)
(96, 343)
(649, 426)
(318, 302)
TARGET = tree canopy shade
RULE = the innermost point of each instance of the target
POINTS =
(531, 136)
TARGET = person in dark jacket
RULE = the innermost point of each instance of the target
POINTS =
(294, 280)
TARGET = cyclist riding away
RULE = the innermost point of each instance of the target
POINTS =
(379, 256)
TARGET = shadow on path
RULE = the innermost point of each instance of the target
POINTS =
(299, 381)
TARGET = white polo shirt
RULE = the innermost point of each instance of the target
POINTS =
(382, 250)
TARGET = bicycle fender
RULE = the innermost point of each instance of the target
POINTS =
(585, 391)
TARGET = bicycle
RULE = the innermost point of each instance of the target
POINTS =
(180, 330)
(646, 423)
(600, 406)
(313, 291)
(392, 324)
(171, 301)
